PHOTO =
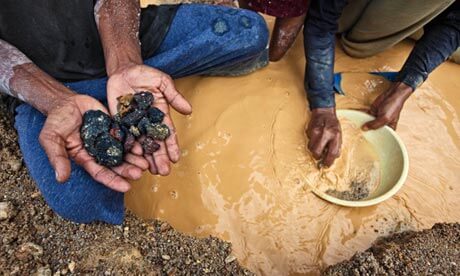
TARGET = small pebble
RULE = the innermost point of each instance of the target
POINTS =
(230, 259)
(165, 257)
(15, 164)
(71, 266)
(43, 271)
(30, 248)
(6, 210)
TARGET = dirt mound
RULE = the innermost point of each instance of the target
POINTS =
(428, 252)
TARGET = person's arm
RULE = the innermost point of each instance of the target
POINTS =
(118, 24)
(323, 130)
(22, 79)
(437, 44)
(60, 136)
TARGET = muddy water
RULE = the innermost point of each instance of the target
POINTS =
(244, 161)
(354, 175)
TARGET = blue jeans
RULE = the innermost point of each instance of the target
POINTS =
(202, 40)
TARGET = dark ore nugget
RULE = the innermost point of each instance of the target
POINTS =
(109, 151)
(135, 131)
(125, 104)
(142, 126)
(117, 132)
(133, 118)
(95, 122)
(149, 145)
(129, 142)
(158, 131)
(155, 115)
(143, 99)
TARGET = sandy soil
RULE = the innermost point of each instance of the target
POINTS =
(429, 252)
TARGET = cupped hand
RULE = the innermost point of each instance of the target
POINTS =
(325, 135)
(135, 78)
(60, 138)
(387, 106)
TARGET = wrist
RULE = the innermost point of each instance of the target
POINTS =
(321, 111)
(117, 63)
(403, 90)
(37, 88)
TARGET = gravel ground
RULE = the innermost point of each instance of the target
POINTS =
(33, 240)
(429, 252)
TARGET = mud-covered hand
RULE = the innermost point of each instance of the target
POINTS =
(387, 106)
(60, 137)
(136, 78)
(325, 135)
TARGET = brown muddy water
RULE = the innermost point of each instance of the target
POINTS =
(244, 165)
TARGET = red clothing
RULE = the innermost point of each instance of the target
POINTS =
(280, 8)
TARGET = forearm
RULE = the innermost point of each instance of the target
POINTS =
(118, 24)
(319, 42)
(435, 47)
(22, 79)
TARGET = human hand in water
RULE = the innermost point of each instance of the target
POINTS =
(325, 135)
(387, 106)
(135, 78)
(60, 137)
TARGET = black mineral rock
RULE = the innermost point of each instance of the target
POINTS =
(149, 145)
(143, 100)
(97, 140)
(158, 131)
(108, 139)
(155, 115)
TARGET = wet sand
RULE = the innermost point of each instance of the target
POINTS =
(244, 159)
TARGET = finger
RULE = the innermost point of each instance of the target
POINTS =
(128, 171)
(318, 148)
(137, 149)
(161, 159)
(393, 124)
(106, 176)
(333, 151)
(314, 134)
(174, 98)
(137, 160)
(172, 144)
(375, 124)
(54, 147)
(152, 167)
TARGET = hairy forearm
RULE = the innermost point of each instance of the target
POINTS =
(22, 79)
(118, 24)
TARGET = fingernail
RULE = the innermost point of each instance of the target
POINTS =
(57, 175)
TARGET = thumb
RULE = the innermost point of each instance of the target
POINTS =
(54, 146)
(375, 124)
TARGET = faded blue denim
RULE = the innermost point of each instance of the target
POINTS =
(202, 40)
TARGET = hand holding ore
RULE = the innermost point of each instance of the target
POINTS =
(136, 78)
(60, 137)
(387, 106)
(325, 136)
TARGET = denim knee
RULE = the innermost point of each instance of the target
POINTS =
(258, 30)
